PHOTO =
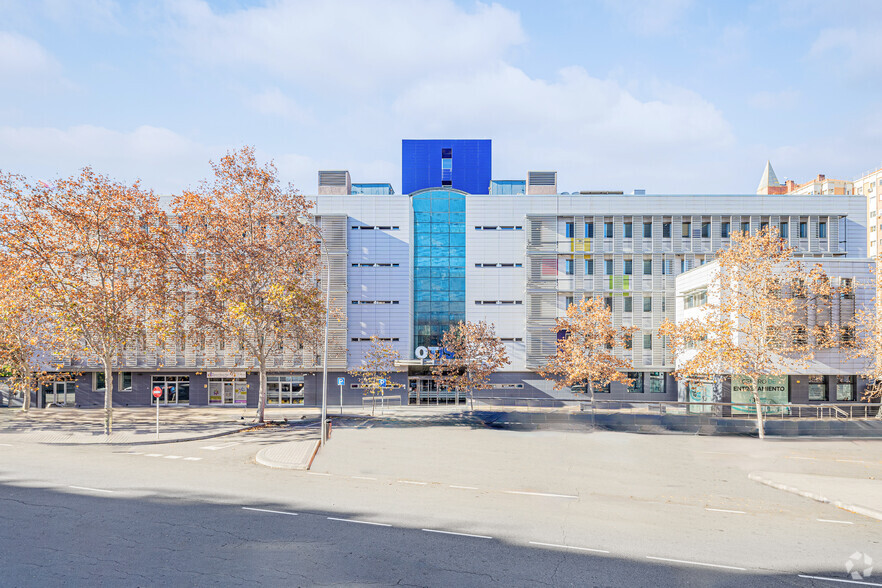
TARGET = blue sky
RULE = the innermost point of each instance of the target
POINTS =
(672, 96)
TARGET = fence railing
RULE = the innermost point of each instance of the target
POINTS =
(839, 411)
(381, 401)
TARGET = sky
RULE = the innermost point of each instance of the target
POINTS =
(670, 96)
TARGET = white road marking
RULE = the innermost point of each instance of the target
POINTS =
(696, 563)
(172, 456)
(412, 482)
(460, 534)
(293, 514)
(798, 457)
(726, 510)
(92, 489)
(359, 522)
(835, 521)
(152, 455)
(838, 580)
(540, 494)
(362, 478)
(722, 452)
(192, 458)
(318, 474)
(218, 447)
(569, 547)
(6, 444)
(851, 460)
(463, 487)
(136, 453)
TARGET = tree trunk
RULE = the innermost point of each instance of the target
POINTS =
(261, 394)
(759, 412)
(593, 405)
(108, 396)
(26, 393)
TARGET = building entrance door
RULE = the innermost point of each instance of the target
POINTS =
(425, 390)
(60, 394)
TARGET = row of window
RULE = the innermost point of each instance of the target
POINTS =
(695, 299)
(628, 266)
(657, 384)
(374, 302)
(378, 228)
(361, 339)
(499, 228)
(374, 265)
(704, 231)
(499, 265)
(628, 303)
(499, 301)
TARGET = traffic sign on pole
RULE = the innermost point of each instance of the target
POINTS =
(340, 381)
(382, 382)
(157, 393)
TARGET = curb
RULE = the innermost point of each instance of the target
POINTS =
(154, 442)
(861, 510)
(281, 465)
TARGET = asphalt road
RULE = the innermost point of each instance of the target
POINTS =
(438, 506)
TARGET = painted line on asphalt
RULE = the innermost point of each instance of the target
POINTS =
(318, 474)
(359, 522)
(460, 534)
(725, 510)
(464, 487)
(219, 447)
(412, 482)
(546, 494)
(838, 580)
(172, 456)
(568, 547)
(363, 478)
(293, 514)
(92, 489)
(834, 521)
(799, 457)
(696, 563)
(192, 458)
(152, 455)
(6, 444)
(136, 453)
(722, 452)
(851, 460)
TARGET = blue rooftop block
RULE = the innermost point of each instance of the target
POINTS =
(425, 164)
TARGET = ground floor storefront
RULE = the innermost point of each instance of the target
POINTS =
(417, 387)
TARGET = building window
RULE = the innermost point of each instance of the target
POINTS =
(745, 228)
(647, 304)
(845, 388)
(589, 267)
(608, 230)
(629, 304)
(705, 230)
(607, 302)
(667, 267)
(569, 267)
(629, 230)
(687, 230)
(803, 230)
(724, 230)
(817, 389)
(629, 267)
(784, 230)
(647, 267)
(627, 340)
(281, 390)
(666, 230)
(608, 266)
(569, 230)
(568, 302)
(125, 381)
(647, 230)
(446, 167)
(589, 230)
(822, 230)
(656, 382)
(647, 341)
(636, 386)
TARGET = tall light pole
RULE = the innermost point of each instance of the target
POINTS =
(323, 251)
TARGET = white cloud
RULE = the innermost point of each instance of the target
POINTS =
(347, 42)
(162, 159)
(650, 17)
(273, 102)
(595, 132)
(22, 57)
(768, 100)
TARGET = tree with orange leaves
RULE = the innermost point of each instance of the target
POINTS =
(89, 241)
(249, 261)
(586, 352)
(868, 344)
(470, 352)
(378, 363)
(755, 325)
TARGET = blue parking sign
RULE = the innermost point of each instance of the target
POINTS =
(340, 381)
(382, 382)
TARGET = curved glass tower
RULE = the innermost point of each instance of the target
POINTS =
(438, 262)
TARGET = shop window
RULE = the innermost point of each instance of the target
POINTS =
(657, 383)
(817, 389)
(636, 386)
(845, 388)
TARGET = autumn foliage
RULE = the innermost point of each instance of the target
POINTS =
(378, 363)
(470, 352)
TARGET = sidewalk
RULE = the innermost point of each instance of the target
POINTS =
(861, 496)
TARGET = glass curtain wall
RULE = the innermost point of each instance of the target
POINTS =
(439, 263)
